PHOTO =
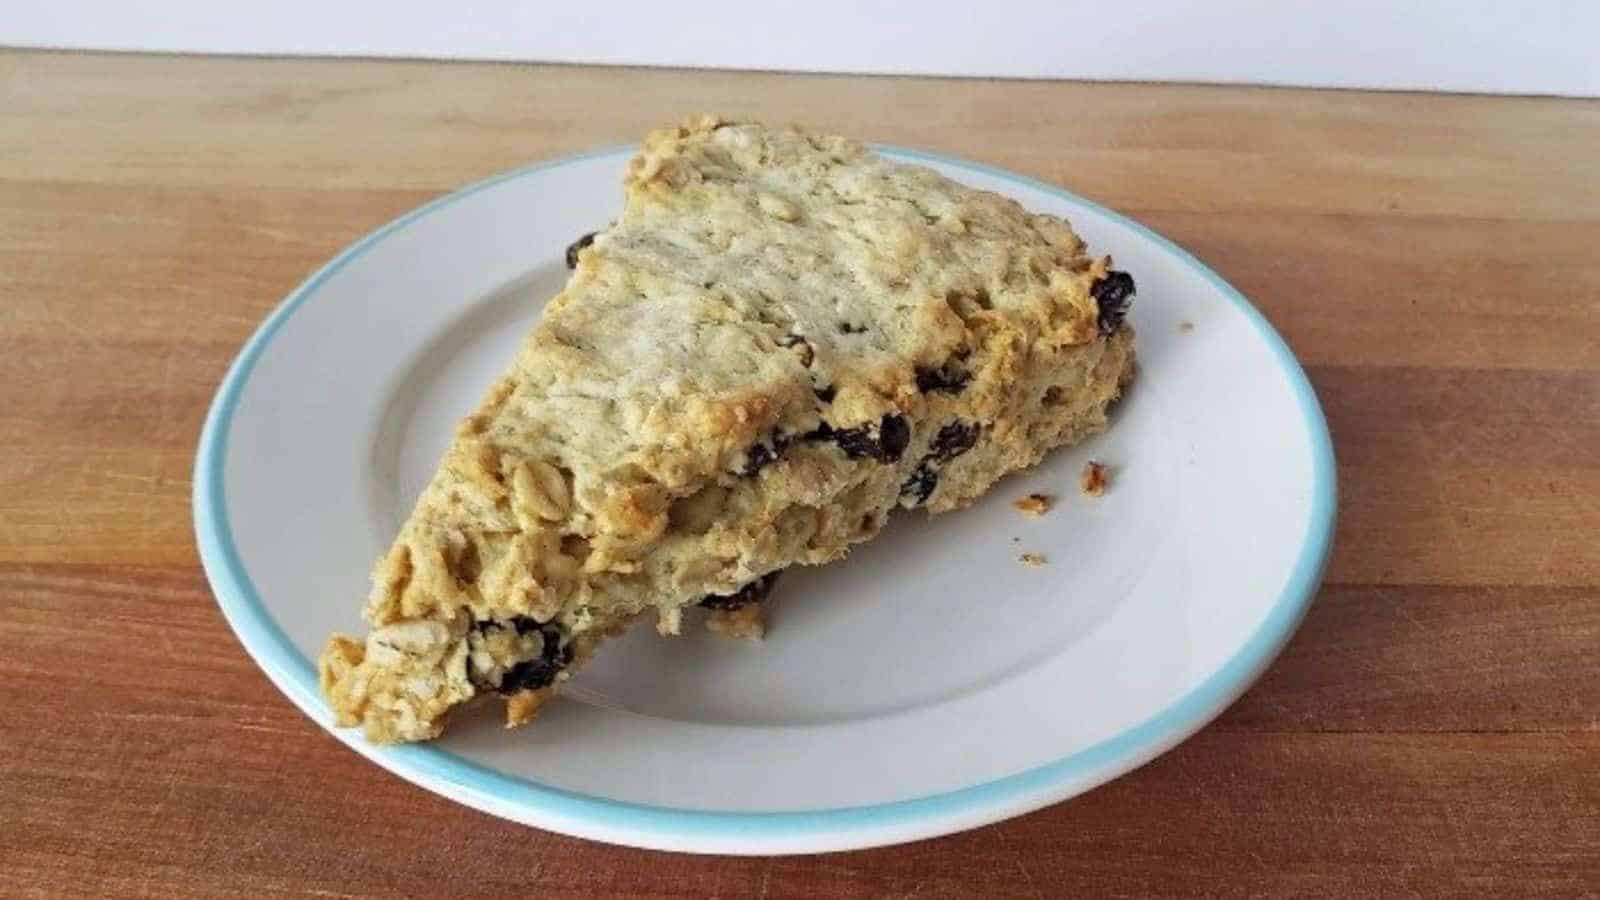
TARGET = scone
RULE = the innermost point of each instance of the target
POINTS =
(783, 338)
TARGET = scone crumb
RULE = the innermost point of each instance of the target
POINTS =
(1185, 326)
(1094, 478)
(748, 622)
(523, 706)
(1035, 560)
(1034, 504)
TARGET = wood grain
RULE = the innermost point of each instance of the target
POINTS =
(1434, 728)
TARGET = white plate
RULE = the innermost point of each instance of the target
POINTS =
(928, 684)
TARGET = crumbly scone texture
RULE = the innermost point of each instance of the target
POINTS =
(782, 338)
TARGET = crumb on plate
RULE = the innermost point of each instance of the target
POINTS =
(748, 622)
(1094, 478)
(1034, 504)
(1185, 326)
(1032, 559)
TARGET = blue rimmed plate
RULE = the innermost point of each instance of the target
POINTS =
(928, 684)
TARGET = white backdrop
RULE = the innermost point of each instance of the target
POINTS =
(1500, 46)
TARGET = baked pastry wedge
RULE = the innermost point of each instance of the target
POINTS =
(783, 338)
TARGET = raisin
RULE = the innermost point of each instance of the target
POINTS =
(893, 436)
(919, 487)
(1114, 294)
(953, 440)
(884, 441)
(542, 669)
(948, 378)
(855, 442)
(825, 393)
(577, 245)
(754, 592)
(530, 675)
(760, 455)
(851, 328)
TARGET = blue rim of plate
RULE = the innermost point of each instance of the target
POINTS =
(806, 831)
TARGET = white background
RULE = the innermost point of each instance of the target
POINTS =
(1503, 46)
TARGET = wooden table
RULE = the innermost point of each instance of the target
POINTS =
(1434, 261)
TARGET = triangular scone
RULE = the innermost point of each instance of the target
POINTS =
(783, 338)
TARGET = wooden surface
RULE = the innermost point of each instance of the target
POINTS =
(1435, 261)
